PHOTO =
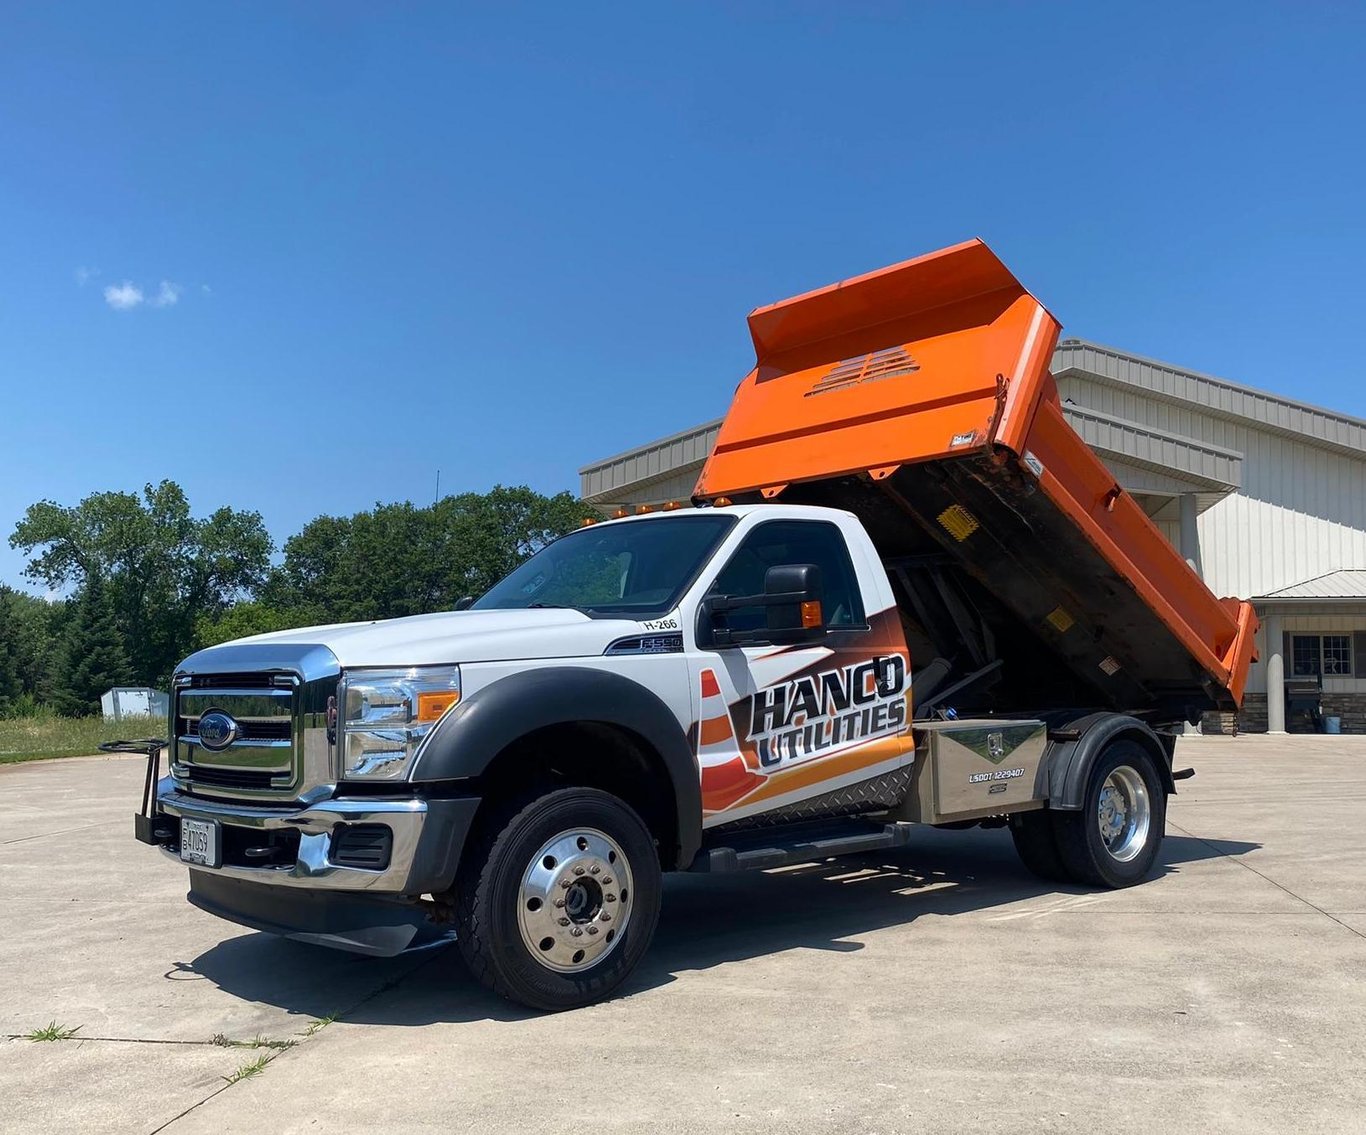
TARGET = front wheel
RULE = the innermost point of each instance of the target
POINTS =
(1114, 839)
(559, 901)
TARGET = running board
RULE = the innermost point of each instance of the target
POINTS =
(763, 848)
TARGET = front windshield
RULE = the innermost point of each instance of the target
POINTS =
(637, 569)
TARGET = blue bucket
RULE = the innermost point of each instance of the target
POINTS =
(1332, 725)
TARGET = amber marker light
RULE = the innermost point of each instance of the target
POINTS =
(811, 614)
(672, 506)
(431, 706)
(721, 502)
(619, 514)
(642, 509)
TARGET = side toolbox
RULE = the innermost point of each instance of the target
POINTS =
(969, 769)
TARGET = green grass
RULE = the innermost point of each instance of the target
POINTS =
(250, 1069)
(318, 1025)
(37, 738)
(54, 1031)
(257, 1041)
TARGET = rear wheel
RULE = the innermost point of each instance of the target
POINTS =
(559, 900)
(1033, 836)
(1114, 839)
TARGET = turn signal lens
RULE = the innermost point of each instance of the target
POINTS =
(811, 614)
(432, 706)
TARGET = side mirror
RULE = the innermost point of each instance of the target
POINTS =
(791, 601)
(464, 603)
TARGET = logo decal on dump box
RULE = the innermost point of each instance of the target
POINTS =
(865, 368)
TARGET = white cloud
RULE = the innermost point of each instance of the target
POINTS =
(84, 275)
(168, 295)
(208, 291)
(124, 297)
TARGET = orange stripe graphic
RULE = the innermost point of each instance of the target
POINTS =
(715, 730)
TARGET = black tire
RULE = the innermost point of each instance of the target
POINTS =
(489, 889)
(1082, 850)
(1033, 836)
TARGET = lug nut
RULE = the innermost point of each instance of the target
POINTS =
(564, 884)
(610, 898)
(559, 902)
(592, 930)
(607, 878)
(577, 932)
(578, 870)
(563, 921)
(593, 870)
(604, 917)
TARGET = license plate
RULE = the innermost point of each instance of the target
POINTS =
(199, 842)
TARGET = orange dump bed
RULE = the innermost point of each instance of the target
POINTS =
(919, 397)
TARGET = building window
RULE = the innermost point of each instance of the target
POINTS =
(1328, 655)
(1305, 650)
(1337, 655)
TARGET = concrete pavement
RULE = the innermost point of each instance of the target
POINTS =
(939, 985)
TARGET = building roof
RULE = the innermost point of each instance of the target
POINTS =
(1207, 467)
(1345, 583)
(1217, 396)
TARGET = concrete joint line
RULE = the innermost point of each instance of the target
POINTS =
(1268, 879)
(385, 988)
(64, 831)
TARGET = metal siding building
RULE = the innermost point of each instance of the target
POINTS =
(1265, 495)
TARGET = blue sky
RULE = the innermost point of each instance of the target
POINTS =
(374, 241)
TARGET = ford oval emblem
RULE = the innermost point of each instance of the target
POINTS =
(217, 731)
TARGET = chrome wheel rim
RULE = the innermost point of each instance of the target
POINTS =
(575, 900)
(1124, 813)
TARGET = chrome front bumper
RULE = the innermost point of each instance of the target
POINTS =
(428, 836)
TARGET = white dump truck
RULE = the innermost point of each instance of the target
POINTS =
(905, 592)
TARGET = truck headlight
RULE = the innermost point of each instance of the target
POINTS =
(387, 713)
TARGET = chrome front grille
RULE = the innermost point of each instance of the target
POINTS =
(253, 730)
(282, 745)
(262, 755)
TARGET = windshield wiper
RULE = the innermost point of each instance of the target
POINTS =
(552, 607)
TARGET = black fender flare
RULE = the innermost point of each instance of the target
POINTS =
(1074, 746)
(465, 741)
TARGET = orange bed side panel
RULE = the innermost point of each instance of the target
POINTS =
(1076, 480)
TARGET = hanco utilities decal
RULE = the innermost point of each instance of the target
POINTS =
(796, 734)
(814, 712)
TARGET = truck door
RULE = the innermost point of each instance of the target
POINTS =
(806, 730)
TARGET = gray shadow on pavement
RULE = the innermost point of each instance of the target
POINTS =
(707, 920)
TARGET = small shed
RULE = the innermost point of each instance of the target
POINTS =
(134, 701)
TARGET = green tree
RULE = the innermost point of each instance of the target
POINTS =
(162, 568)
(31, 636)
(10, 684)
(250, 617)
(401, 559)
(94, 659)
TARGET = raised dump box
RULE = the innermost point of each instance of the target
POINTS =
(919, 398)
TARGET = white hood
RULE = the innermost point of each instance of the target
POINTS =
(459, 636)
